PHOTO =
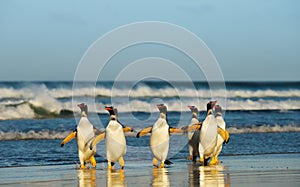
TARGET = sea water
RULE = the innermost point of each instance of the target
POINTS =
(262, 117)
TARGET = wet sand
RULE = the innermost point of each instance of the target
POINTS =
(249, 170)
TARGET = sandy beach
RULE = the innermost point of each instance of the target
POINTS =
(249, 170)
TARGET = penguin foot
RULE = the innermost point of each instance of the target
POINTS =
(82, 166)
(121, 162)
(162, 165)
(93, 161)
(190, 157)
(110, 165)
(154, 162)
(214, 161)
(201, 160)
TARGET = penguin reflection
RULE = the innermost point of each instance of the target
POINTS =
(208, 175)
(160, 177)
(115, 178)
(194, 174)
(87, 177)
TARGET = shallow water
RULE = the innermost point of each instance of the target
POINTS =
(254, 170)
(49, 152)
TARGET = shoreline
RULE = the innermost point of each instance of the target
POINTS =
(254, 170)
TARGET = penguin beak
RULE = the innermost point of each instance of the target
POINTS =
(213, 103)
(191, 107)
(80, 105)
(108, 108)
(160, 106)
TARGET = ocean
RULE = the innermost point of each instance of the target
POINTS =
(262, 117)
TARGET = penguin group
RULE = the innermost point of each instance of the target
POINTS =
(205, 139)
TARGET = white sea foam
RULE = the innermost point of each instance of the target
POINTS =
(181, 106)
(25, 110)
(32, 135)
(262, 104)
(18, 112)
(263, 129)
(142, 92)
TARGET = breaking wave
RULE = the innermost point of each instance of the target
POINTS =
(45, 107)
(141, 92)
(41, 100)
(33, 109)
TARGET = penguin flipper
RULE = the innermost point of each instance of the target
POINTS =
(69, 138)
(176, 130)
(127, 129)
(224, 134)
(97, 140)
(144, 131)
(196, 126)
(227, 136)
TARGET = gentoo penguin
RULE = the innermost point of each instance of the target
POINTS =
(223, 135)
(102, 136)
(159, 139)
(84, 134)
(115, 139)
(208, 134)
(193, 135)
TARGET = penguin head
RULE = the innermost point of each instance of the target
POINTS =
(218, 109)
(163, 111)
(111, 111)
(83, 107)
(194, 111)
(162, 108)
(210, 106)
(191, 108)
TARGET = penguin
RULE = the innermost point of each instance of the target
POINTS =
(193, 135)
(223, 135)
(84, 133)
(208, 134)
(160, 137)
(115, 139)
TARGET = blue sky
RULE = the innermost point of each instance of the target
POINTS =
(253, 40)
